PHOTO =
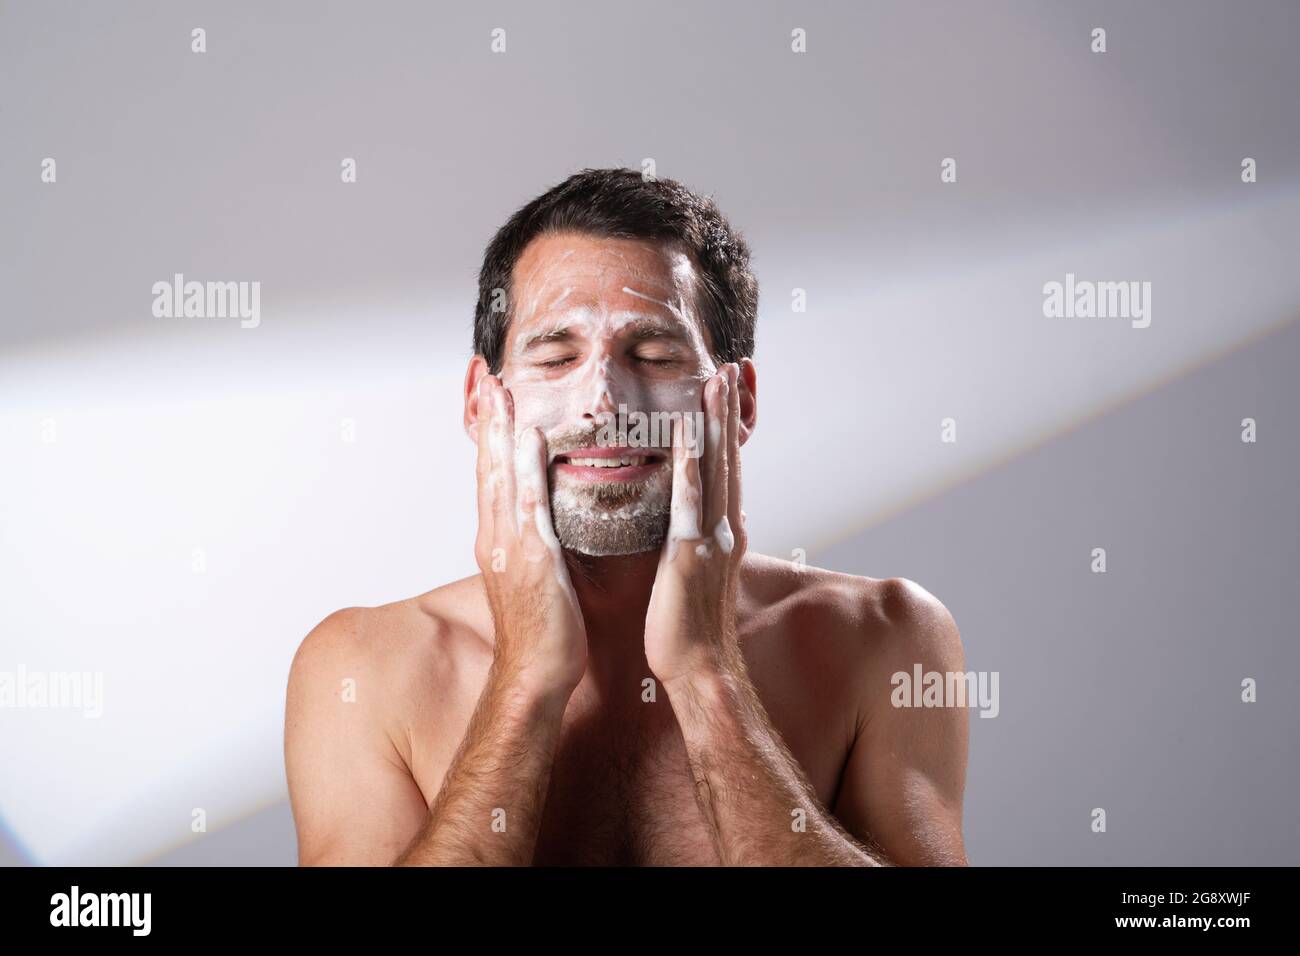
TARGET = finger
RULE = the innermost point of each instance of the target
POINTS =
(534, 508)
(483, 466)
(684, 517)
(715, 452)
(501, 443)
(733, 453)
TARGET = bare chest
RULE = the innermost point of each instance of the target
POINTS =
(621, 790)
(623, 795)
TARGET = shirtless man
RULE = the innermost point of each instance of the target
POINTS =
(623, 683)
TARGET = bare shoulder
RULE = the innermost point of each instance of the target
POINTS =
(903, 771)
(365, 683)
(421, 631)
(377, 698)
(878, 620)
(396, 661)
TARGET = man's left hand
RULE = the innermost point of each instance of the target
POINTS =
(691, 620)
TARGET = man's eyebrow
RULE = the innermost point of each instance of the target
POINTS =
(642, 327)
(558, 333)
(636, 326)
(648, 331)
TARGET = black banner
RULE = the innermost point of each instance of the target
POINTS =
(541, 906)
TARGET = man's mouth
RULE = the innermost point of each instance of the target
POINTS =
(609, 464)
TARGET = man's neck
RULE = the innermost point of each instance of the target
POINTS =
(614, 594)
(612, 589)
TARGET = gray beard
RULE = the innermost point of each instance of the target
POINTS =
(606, 520)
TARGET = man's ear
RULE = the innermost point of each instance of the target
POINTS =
(478, 369)
(748, 382)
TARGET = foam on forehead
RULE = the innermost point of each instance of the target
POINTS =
(593, 271)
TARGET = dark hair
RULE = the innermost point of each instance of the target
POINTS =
(621, 204)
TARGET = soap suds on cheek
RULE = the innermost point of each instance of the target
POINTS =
(547, 401)
(683, 394)
(675, 395)
(538, 404)
(530, 473)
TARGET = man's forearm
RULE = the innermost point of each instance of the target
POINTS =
(756, 800)
(489, 808)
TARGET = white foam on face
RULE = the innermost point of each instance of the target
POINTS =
(598, 274)
(584, 289)
(530, 473)
(597, 382)
(573, 494)
(681, 312)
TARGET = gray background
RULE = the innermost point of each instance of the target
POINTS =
(1118, 690)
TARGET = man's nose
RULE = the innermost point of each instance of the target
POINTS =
(601, 401)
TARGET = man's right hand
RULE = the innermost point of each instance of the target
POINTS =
(541, 642)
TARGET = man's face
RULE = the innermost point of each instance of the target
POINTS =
(598, 324)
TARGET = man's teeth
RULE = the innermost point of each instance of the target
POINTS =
(609, 462)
